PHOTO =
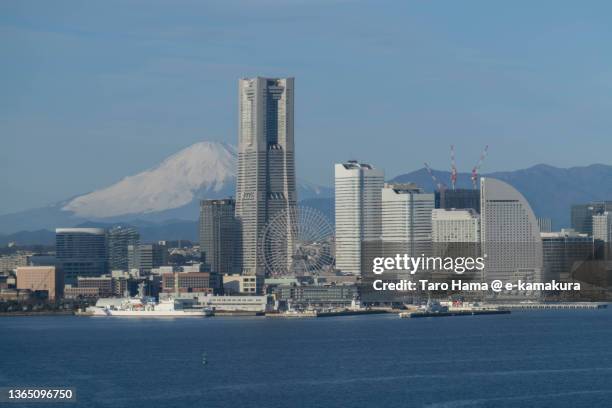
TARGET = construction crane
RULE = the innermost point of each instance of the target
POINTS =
(453, 175)
(439, 185)
(476, 168)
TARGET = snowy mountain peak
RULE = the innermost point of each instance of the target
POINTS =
(201, 170)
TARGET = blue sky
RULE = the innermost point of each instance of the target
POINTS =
(94, 91)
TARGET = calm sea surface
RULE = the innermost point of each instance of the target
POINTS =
(526, 359)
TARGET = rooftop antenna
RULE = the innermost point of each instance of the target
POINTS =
(453, 174)
(476, 168)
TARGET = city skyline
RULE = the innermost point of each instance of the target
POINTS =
(149, 89)
(367, 210)
(334, 203)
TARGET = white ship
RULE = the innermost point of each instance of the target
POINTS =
(146, 307)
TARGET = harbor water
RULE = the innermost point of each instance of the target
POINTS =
(559, 358)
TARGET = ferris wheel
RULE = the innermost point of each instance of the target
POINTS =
(298, 241)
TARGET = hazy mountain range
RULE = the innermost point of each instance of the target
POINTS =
(551, 191)
(163, 201)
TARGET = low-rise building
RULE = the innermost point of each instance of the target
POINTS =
(9, 263)
(40, 279)
(242, 284)
(116, 285)
(201, 282)
(20, 295)
(225, 303)
(73, 292)
(104, 284)
(257, 304)
(316, 295)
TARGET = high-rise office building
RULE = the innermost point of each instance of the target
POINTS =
(582, 215)
(118, 240)
(406, 219)
(602, 227)
(80, 252)
(564, 252)
(358, 195)
(265, 184)
(602, 233)
(145, 257)
(455, 225)
(220, 236)
(509, 233)
(460, 198)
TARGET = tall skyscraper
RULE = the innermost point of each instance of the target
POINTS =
(118, 240)
(80, 252)
(358, 211)
(509, 233)
(406, 219)
(265, 183)
(220, 236)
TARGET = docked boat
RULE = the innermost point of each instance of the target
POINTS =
(146, 307)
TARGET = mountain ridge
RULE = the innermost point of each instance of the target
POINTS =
(171, 190)
(550, 190)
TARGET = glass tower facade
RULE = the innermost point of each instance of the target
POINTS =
(81, 252)
(118, 240)
(220, 236)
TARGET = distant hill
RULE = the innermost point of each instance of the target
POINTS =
(551, 191)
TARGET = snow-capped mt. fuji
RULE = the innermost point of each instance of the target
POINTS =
(166, 193)
(205, 169)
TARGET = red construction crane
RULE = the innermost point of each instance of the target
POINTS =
(476, 168)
